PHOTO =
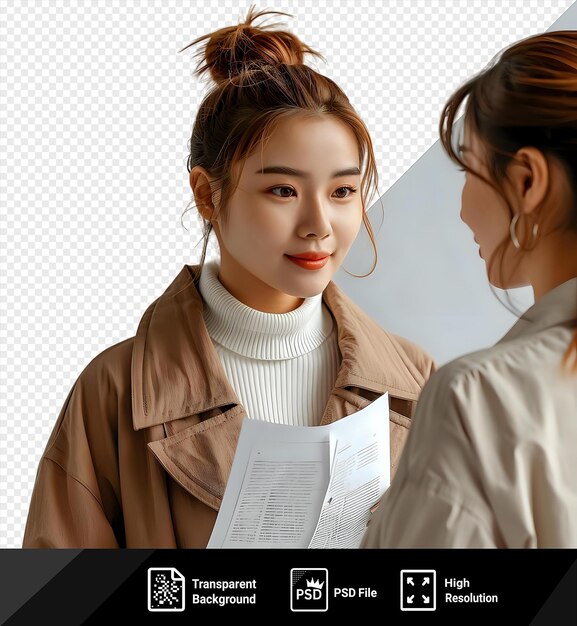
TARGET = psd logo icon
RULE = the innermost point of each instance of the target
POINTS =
(309, 589)
(165, 589)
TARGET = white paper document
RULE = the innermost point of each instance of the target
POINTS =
(299, 486)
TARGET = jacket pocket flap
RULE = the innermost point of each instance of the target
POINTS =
(200, 457)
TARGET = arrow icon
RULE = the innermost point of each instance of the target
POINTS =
(418, 590)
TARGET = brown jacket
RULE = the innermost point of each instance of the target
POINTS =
(142, 448)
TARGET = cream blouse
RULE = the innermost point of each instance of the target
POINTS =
(491, 458)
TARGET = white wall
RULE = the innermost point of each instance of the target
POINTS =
(430, 283)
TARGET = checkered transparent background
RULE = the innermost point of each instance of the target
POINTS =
(97, 107)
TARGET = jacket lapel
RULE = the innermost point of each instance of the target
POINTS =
(372, 360)
(175, 369)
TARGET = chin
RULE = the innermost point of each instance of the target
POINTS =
(513, 283)
(307, 292)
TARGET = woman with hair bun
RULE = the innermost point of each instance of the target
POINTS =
(280, 166)
(491, 459)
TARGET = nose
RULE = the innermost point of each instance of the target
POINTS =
(315, 222)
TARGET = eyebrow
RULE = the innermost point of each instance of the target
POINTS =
(289, 171)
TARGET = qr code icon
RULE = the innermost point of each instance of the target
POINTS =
(165, 589)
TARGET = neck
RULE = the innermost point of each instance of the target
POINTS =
(252, 291)
(552, 262)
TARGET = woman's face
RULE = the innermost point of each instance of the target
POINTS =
(299, 194)
(486, 213)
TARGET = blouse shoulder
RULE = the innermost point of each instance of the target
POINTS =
(498, 388)
(527, 357)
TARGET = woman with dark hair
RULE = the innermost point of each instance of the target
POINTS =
(280, 166)
(490, 460)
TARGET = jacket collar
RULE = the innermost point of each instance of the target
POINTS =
(175, 370)
(556, 308)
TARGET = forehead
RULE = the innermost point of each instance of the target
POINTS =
(319, 142)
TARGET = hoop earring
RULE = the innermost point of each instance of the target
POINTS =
(515, 240)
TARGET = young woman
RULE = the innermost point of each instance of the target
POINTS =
(143, 447)
(491, 459)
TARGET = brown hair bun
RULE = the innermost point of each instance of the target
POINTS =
(234, 49)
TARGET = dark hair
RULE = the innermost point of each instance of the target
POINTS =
(526, 96)
(261, 79)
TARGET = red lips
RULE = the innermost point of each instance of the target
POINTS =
(310, 256)
(310, 260)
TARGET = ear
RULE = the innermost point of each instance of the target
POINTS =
(200, 183)
(528, 175)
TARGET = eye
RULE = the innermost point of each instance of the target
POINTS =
(281, 194)
(282, 188)
(351, 189)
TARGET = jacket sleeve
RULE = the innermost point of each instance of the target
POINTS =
(437, 498)
(64, 513)
(74, 501)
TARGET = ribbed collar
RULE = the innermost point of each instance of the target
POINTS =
(176, 372)
(557, 306)
(256, 334)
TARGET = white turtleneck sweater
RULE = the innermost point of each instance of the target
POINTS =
(282, 366)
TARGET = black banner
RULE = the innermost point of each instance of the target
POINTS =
(533, 587)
